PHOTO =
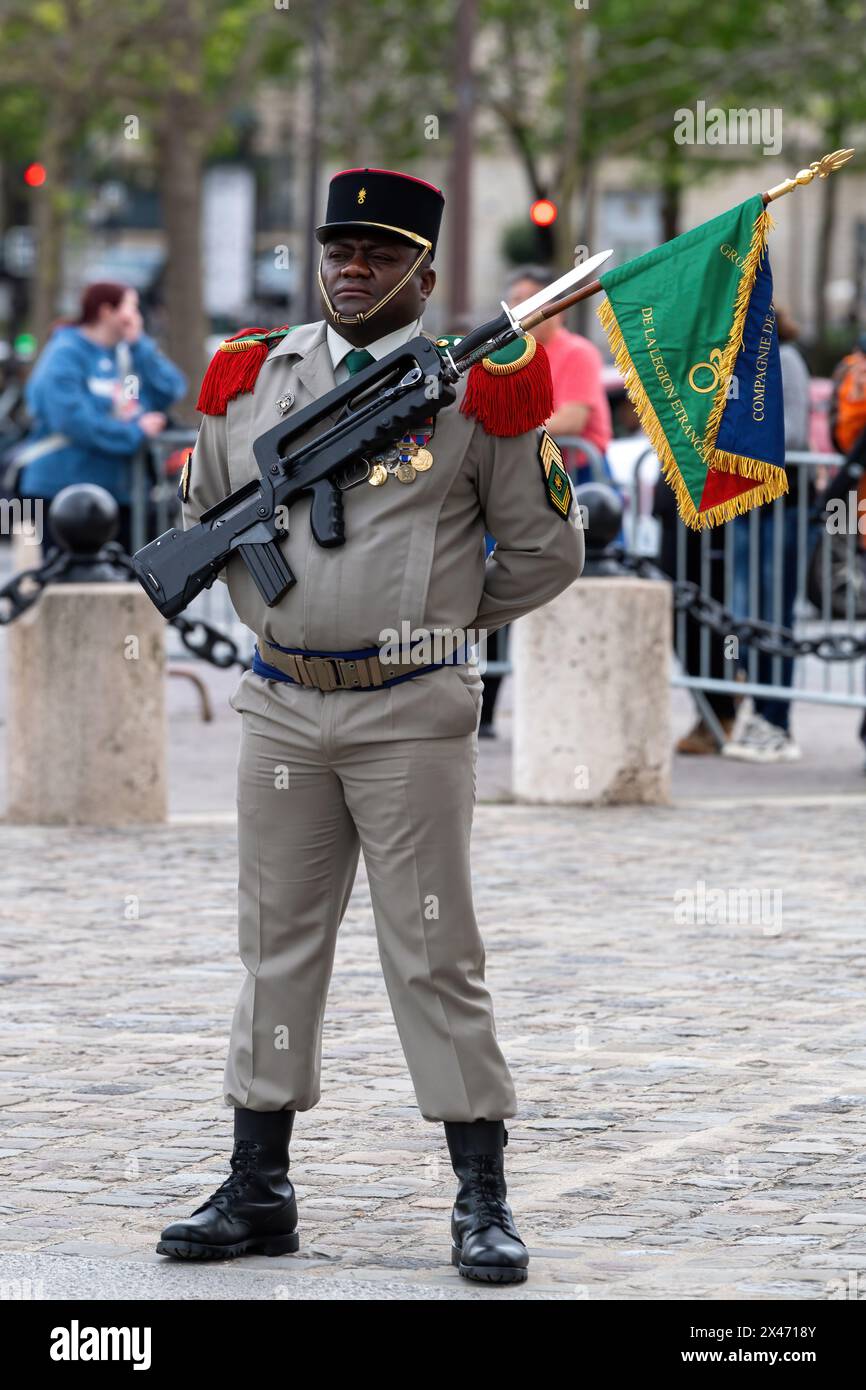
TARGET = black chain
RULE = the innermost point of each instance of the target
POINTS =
(764, 637)
(200, 638)
(207, 642)
(22, 590)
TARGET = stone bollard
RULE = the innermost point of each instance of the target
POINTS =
(592, 683)
(86, 728)
(592, 695)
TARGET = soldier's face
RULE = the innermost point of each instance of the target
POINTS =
(359, 271)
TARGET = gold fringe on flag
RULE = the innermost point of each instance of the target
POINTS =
(760, 234)
(750, 468)
(773, 481)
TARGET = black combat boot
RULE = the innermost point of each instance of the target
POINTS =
(484, 1240)
(254, 1212)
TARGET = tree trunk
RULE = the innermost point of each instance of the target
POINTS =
(671, 190)
(180, 190)
(460, 170)
(572, 144)
(583, 312)
(181, 142)
(50, 205)
(826, 228)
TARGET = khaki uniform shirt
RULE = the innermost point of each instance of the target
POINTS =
(414, 552)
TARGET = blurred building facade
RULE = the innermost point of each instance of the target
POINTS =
(255, 259)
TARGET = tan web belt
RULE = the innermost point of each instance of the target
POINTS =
(338, 672)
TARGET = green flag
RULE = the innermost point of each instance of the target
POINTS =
(692, 329)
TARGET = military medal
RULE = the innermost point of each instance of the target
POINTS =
(406, 459)
(416, 442)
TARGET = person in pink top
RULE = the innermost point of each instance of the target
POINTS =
(580, 405)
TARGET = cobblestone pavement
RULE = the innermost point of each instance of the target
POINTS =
(692, 1091)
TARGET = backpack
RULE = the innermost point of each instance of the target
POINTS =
(848, 403)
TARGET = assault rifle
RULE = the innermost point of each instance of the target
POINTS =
(376, 406)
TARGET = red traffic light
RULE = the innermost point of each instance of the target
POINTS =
(34, 175)
(543, 212)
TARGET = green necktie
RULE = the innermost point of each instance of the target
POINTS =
(357, 359)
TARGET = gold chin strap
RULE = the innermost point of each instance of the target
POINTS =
(362, 318)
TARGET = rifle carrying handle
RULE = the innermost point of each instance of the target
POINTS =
(326, 513)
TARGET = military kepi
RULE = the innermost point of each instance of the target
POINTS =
(384, 200)
(376, 201)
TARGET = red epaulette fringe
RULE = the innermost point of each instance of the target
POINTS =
(232, 371)
(510, 403)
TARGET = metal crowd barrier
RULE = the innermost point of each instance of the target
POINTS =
(781, 563)
(593, 455)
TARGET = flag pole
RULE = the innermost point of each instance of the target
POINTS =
(819, 168)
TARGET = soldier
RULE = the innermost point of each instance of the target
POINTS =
(342, 749)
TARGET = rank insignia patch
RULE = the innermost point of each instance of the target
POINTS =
(183, 485)
(556, 479)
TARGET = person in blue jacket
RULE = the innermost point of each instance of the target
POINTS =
(98, 391)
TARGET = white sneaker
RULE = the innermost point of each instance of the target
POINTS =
(762, 742)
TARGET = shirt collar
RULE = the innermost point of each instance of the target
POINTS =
(339, 348)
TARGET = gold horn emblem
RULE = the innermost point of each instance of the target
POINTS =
(713, 367)
(362, 195)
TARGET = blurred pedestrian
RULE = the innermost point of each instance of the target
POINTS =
(848, 432)
(97, 392)
(848, 404)
(765, 736)
(703, 554)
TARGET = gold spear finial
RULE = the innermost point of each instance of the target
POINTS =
(819, 168)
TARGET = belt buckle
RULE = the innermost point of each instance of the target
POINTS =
(322, 672)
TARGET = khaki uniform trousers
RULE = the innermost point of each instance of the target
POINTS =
(321, 776)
